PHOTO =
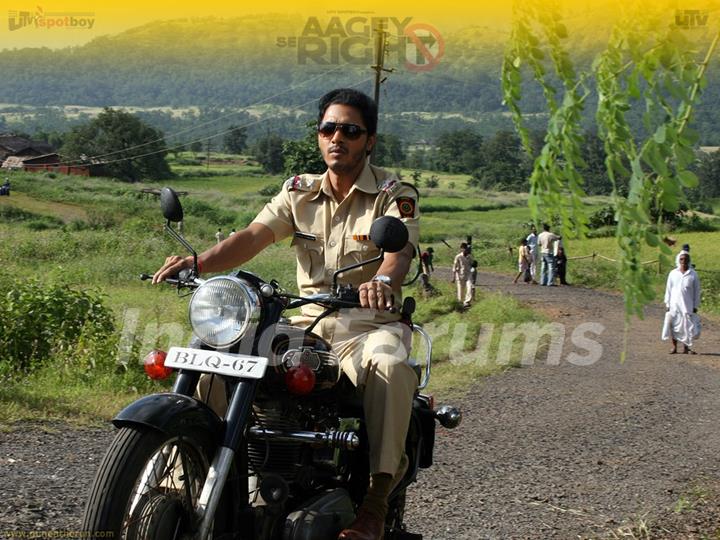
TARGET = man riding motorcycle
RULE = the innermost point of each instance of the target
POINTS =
(329, 218)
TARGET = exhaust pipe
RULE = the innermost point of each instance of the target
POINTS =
(331, 439)
(449, 417)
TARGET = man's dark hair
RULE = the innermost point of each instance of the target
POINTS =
(546, 227)
(463, 245)
(353, 98)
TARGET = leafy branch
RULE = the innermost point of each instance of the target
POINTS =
(647, 65)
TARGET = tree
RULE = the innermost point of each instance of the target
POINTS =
(647, 70)
(195, 147)
(128, 148)
(459, 151)
(303, 155)
(235, 140)
(503, 168)
(268, 152)
(388, 151)
(594, 172)
(709, 174)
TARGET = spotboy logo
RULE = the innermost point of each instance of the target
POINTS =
(418, 46)
(50, 20)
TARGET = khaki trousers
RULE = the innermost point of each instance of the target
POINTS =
(374, 357)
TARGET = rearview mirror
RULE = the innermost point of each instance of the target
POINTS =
(170, 204)
(389, 234)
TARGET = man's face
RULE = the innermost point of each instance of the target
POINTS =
(342, 154)
(683, 262)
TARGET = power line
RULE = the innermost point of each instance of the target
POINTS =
(202, 124)
(165, 150)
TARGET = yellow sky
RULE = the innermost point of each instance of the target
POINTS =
(92, 19)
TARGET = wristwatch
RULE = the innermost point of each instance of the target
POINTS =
(383, 279)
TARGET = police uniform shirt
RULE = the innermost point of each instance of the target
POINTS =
(328, 235)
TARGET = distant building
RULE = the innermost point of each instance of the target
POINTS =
(709, 149)
(14, 146)
(50, 163)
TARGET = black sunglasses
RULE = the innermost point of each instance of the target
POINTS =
(351, 131)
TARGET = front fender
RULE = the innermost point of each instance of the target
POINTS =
(171, 413)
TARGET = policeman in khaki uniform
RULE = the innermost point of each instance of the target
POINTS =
(328, 217)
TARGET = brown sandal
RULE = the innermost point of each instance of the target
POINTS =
(673, 351)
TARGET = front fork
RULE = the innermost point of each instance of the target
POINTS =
(235, 422)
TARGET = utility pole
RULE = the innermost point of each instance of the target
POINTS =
(379, 66)
(380, 42)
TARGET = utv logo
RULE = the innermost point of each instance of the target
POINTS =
(418, 46)
(691, 18)
(50, 20)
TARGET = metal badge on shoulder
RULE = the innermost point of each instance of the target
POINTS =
(294, 183)
(390, 185)
(305, 182)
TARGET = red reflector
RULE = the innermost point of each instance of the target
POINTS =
(300, 380)
(431, 401)
(154, 364)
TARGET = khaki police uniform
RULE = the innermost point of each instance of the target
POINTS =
(373, 346)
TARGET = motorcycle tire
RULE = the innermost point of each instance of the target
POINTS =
(147, 484)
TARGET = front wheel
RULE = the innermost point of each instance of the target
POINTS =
(148, 485)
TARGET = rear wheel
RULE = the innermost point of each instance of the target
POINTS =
(148, 485)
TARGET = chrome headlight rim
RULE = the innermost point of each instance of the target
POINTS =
(252, 315)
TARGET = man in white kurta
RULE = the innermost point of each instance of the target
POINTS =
(682, 299)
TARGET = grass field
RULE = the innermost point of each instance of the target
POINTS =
(101, 234)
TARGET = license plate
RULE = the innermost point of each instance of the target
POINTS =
(233, 365)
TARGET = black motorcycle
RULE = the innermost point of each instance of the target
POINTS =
(289, 458)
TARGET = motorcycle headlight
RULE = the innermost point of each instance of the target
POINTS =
(222, 310)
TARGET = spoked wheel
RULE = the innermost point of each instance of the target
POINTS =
(148, 485)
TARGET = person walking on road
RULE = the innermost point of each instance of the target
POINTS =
(682, 299)
(461, 275)
(524, 262)
(219, 236)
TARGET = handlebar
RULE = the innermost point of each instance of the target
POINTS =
(346, 298)
(179, 281)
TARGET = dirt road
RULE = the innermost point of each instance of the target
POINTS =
(605, 450)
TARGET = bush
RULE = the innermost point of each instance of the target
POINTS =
(40, 321)
(605, 217)
(694, 223)
(432, 182)
(200, 209)
(270, 190)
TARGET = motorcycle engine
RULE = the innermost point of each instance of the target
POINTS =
(279, 457)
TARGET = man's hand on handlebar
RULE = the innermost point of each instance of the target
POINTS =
(173, 265)
(376, 295)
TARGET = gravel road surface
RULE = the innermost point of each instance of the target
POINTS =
(551, 450)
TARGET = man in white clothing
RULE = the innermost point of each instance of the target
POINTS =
(461, 275)
(682, 298)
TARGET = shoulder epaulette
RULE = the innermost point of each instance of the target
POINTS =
(306, 182)
(390, 185)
